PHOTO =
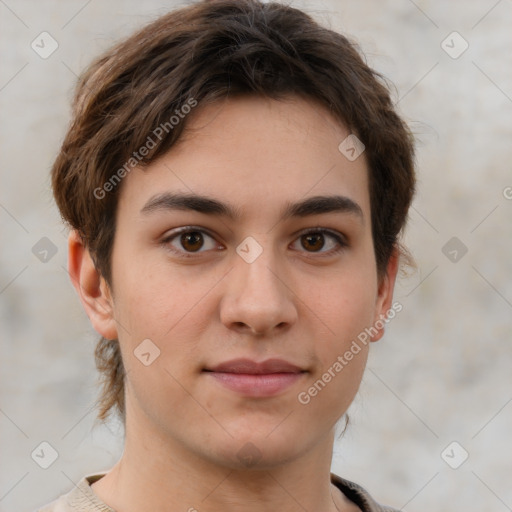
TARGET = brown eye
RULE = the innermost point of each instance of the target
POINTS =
(192, 241)
(313, 241)
(322, 241)
(187, 240)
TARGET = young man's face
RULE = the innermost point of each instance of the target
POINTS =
(254, 286)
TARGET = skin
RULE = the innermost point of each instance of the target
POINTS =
(296, 301)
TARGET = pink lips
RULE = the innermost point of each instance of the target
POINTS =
(254, 379)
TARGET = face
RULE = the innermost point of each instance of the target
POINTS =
(260, 270)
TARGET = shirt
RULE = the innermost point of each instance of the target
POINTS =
(83, 499)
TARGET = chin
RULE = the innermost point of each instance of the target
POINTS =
(250, 451)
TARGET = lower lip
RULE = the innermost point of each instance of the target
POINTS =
(256, 385)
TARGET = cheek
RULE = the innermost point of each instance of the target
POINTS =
(331, 390)
(344, 305)
(343, 308)
(151, 300)
(173, 312)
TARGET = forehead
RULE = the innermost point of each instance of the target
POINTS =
(257, 154)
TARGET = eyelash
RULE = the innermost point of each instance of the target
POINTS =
(339, 239)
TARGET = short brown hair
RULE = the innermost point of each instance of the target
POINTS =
(205, 52)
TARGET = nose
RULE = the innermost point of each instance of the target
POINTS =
(258, 300)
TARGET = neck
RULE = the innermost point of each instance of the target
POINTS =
(157, 473)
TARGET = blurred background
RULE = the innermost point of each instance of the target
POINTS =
(431, 424)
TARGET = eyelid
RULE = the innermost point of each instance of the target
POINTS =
(178, 231)
(319, 229)
(340, 239)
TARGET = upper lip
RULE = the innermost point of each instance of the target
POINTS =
(252, 367)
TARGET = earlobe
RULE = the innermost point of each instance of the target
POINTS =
(91, 287)
(385, 294)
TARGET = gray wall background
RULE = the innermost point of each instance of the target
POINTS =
(441, 374)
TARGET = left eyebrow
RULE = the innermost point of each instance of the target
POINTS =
(208, 205)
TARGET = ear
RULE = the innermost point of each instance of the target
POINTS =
(385, 294)
(92, 288)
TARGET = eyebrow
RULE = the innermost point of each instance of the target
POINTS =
(311, 206)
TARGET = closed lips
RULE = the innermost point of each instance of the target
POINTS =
(250, 367)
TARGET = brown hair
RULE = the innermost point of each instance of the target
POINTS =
(201, 53)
